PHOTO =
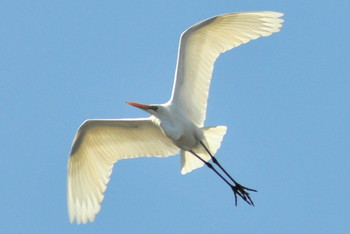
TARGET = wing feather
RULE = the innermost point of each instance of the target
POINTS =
(201, 44)
(98, 144)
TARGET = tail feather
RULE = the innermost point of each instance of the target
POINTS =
(213, 137)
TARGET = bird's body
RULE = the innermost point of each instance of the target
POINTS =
(173, 127)
(183, 133)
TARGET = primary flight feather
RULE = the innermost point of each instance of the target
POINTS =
(173, 127)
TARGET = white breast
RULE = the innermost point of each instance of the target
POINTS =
(181, 131)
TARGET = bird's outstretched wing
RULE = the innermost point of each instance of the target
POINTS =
(98, 144)
(201, 44)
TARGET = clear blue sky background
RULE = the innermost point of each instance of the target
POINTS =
(285, 100)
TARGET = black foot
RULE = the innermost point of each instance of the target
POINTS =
(242, 192)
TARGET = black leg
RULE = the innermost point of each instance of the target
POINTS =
(237, 188)
(211, 167)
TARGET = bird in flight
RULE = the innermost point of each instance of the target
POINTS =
(176, 126)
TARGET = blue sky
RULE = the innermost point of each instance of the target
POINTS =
(285, 100)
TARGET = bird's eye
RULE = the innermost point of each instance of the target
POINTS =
(155, 108)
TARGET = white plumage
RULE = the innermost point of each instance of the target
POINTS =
(174, 126)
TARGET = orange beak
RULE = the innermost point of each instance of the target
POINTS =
(138, 105)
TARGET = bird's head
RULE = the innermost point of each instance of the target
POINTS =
(151, 109)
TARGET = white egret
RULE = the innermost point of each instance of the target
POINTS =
(173, 127)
